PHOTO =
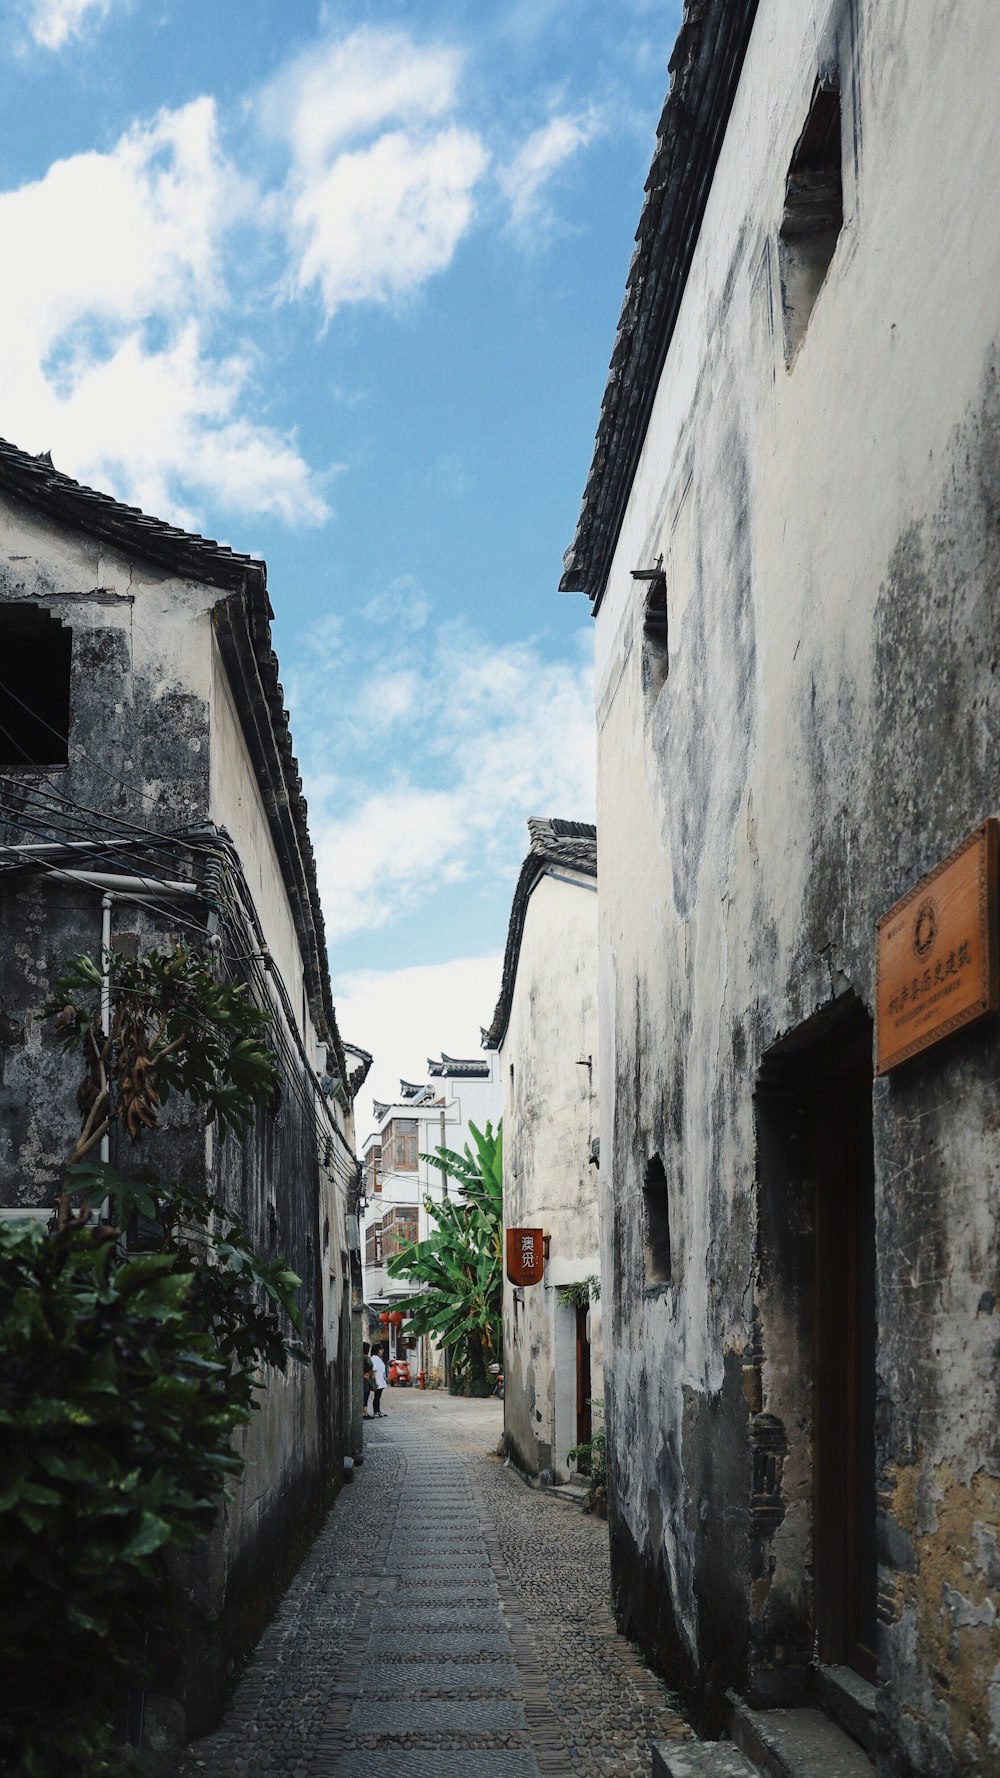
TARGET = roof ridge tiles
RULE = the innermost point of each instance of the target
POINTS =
(35, 480)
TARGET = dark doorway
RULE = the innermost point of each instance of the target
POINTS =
(584, 1418)
(817, 1326)
(840, 1103)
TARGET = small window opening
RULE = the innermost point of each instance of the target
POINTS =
(35, 650)
(657, 1243)
(655, 654)
(813, 215)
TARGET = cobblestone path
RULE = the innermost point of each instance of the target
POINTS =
(447, 1623)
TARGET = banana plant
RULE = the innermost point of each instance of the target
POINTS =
(460, 1266)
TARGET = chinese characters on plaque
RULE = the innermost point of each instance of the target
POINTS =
(525, 1256)
(936, 963)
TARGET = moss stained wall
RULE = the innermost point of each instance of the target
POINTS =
(147, 708)
(549, 1123)
(827, 731)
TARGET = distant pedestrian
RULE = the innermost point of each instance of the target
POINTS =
(378, 1366)
(368, 1372)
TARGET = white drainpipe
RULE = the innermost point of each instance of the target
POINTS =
(106, 901)
(118, 886)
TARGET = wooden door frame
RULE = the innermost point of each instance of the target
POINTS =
(584, 1383)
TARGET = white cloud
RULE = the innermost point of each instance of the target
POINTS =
(493, 735)
(396, 696)
(383, 178)
(139, 419)
(344, 89)
(53, 22)
(115, 237)
(382, 220)
(114, 271)
(402, 1016)
(540, 157)
(402, 604)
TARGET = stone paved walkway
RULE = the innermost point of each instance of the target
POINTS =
(448, 1623)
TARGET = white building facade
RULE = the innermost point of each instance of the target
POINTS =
(544, 1031)
(399, 1180)
(789, 536)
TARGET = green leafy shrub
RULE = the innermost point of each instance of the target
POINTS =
(124, 1374)
(115, 1421)
(582, 1293)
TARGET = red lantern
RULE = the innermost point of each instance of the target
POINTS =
(384, 1318)
(397, 1318)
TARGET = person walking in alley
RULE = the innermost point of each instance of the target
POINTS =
(378, 1366)
(368, 1372)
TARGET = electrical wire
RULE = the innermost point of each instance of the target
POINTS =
(68, 812)
(143, 894)
(208, 848)
(61, 808)
(307, 1100)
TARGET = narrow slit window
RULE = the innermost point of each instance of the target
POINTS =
(35, 654)
(657, 1231)
(655, 648)
(813, 214)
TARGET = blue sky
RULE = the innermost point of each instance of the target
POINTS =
(338, 284)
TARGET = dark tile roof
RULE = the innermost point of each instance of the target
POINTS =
(243, 627)
(455, 1068)
(555, 845)
(38, 483)
(705, 69)
(359, 1072)
(414, 1094)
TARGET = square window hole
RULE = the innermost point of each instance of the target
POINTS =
(35, 652)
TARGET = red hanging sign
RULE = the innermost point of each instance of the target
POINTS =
(525, 1256)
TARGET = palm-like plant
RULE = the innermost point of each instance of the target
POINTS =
(460, 1264)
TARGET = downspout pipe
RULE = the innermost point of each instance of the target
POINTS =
(106, 903)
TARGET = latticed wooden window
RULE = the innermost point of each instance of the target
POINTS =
(403, 1144)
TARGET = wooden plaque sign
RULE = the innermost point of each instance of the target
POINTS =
(525, 1256)
(936, 965)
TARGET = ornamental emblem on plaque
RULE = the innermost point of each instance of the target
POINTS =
(925, 927)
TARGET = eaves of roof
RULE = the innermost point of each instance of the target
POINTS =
(705, 70)
(458, 1068)
(243, 626)
(555, 846)
(359, 1063)
(133, 533)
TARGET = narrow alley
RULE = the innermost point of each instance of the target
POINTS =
(448, 1621)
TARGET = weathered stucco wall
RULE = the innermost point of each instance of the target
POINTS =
(237, 805)
(154, 740)
(826, 732)
(138, 753)
(549, 1069)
